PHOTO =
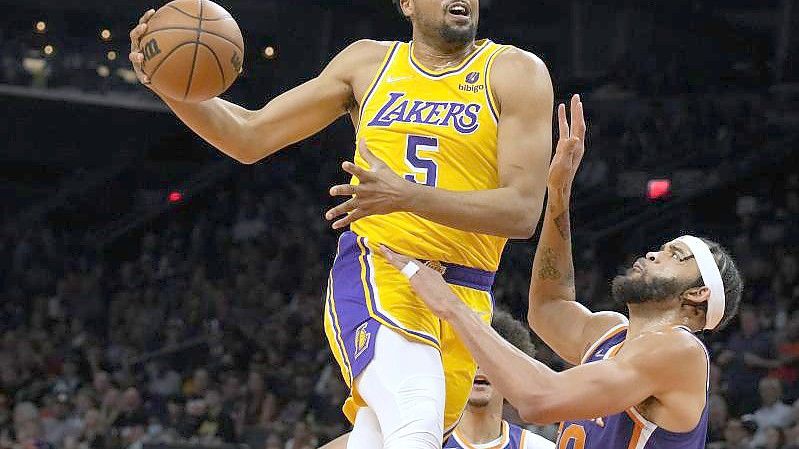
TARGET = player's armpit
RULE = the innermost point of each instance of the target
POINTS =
(305, 110)
(668, 365)
(523, 89)
(570, 328)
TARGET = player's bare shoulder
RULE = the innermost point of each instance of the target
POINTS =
(671, 355)
(361, 59)
(520, 74)
(358, 64)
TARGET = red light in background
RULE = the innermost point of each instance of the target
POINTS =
(658, 189)
(175, 197)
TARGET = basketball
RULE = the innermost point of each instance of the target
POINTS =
(193, 50)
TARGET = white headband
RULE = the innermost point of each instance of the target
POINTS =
(711, 276)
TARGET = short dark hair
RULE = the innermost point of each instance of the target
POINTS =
(730, 277)
(513, 331)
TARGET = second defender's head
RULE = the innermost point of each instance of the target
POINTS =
(698, 276)
(453, 21)
(483, 393)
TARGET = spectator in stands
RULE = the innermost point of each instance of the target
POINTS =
(198, 385)
(68, 382)
(132, 416)
(738, 434)
(57, 421)
(774, 438)
(301, 437)
(772, 412)
(746, 358)
(163, 381)
(93, 433)
(216, 423)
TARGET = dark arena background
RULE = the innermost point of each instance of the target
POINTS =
(155, 293)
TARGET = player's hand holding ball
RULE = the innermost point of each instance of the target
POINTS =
(188, 50)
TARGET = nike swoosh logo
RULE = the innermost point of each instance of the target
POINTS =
(394, 80)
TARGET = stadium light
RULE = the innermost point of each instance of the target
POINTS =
(111, 55)
(40, 27)
(174, 197)
(105, 34)
(658, 189)
(270, 52)
(48, 50)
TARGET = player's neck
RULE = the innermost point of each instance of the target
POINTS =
(650, 317)
(437, 55)
(480, 425)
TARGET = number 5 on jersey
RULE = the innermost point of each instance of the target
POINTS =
(421, 167)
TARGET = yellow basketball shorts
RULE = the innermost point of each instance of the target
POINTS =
(365, 292)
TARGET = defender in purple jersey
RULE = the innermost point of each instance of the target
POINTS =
(640, 382)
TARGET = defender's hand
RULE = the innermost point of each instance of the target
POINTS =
(428, 284)
(136, 56)
(380, 191)
(571, 147)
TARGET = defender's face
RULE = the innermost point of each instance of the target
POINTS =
(455, 20)
(660, 275)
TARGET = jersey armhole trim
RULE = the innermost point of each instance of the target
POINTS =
(605, 337)
(376, 81)
(492, 102)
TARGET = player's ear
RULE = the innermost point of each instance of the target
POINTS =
(697, 295)
(695, 300)
(406, 7)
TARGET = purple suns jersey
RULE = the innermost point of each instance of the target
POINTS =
(511, 437)
(629, 429)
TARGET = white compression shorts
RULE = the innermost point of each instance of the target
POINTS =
(404, 389)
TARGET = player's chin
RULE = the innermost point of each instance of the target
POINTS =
(479, 400)
(458, 34)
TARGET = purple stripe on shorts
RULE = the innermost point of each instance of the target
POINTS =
(335, 324)
(350, 303)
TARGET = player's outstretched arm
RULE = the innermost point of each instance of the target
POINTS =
(249, 136)
(523, 88)
(565, 325)
(669, 365)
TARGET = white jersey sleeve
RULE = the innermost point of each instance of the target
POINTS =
(534, 441)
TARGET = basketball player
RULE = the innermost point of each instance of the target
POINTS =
(640, 382)
(482, 426)
(459, 138)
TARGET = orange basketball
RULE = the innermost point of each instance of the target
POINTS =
(193, 50)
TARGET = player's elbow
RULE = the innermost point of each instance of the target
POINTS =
(540, 412)
(526, 223)
(248, 158)
(249, 148)
(243, 155)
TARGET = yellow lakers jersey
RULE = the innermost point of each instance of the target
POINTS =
(439, 129)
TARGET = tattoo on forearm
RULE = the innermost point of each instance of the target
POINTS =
(549, 270)
(562, 223)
